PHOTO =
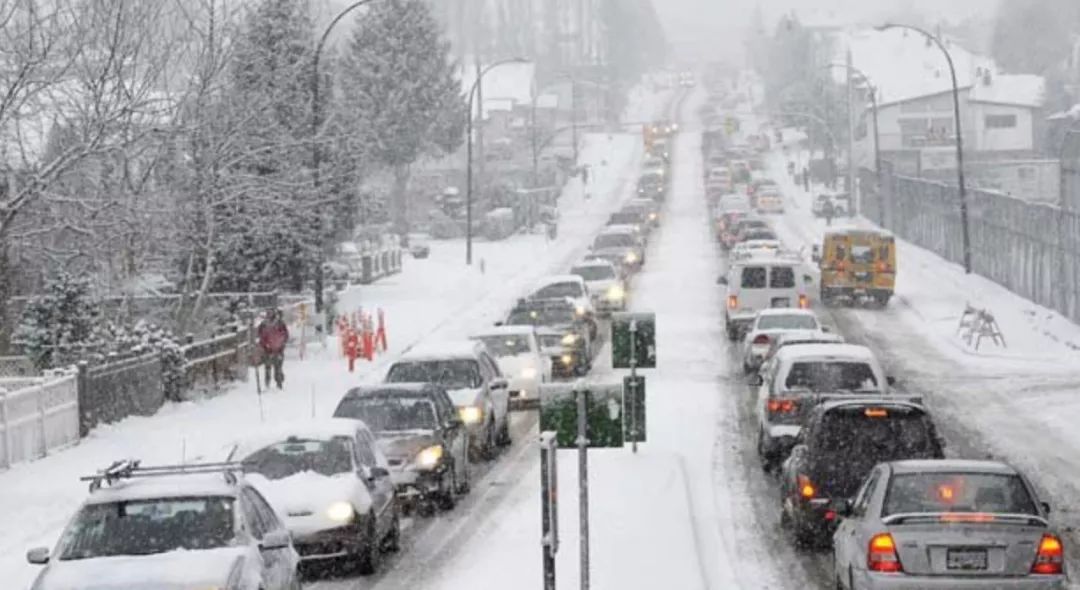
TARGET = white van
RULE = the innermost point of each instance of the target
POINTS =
(761, 282)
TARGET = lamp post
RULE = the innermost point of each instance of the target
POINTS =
(959, 136)
(877, 133)
(469, 152)
(316, 153)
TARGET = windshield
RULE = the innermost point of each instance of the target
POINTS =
(787, 322)
(509, 345)
(856, 435)
(451, 374)
(958, 492)
(826, 376)
(390, 413)
(297, 455)
(548, 316)
(144, 527)
(557, 290)
(625, 218)
(614, 241)
(594, 273)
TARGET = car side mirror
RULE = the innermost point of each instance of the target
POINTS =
(38, 555)
(721, 281)
(756, 380)
(890, 380)
(1045, 506)
(378, 472)
(498, 324)
(279, 539)
(455, 422)
(499, 383)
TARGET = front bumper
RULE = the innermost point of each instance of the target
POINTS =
(605, 305)
(880, 581)
(412, 485)
(331, 543)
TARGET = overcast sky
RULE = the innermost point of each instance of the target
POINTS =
(715, 26)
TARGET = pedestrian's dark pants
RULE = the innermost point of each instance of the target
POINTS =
(274, 363)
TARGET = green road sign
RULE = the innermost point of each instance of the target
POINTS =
(634, 406)
(558, 412)
(633, 340)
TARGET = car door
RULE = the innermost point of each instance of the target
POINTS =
(454, 435)
(500, 396)
(381, 489)
(278, 565)
(846, 539)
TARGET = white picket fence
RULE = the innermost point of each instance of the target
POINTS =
(37, 415)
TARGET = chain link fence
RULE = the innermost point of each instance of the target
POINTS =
(1033, 249)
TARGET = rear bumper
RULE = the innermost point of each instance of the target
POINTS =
(877, 581)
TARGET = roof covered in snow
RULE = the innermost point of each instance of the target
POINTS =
(455, 349)
(1010, 89)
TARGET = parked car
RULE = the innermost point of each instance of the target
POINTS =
(191, 527)
(517, 351)
(839, 446)
(422, 437)
(475, 384)
(331, 484)
(947, 524)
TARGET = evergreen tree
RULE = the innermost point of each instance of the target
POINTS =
(60, 324)
(401, 97)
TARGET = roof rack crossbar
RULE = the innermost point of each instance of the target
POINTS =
(130, 469)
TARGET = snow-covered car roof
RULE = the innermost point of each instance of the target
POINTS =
(594, 262)
(167, 486)
(556, 279)
(952, 465)
(875, 401)
(505, 331)
(827, 351)
(798, 337)
(780, 311)
(316, 429)
(454, 349)
(622, 228)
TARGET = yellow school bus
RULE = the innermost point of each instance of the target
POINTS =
(857, 264)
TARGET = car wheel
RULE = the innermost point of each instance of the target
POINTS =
(446, 499)
(491, 442)
(504, 433)
(392, 542)
(371, 549)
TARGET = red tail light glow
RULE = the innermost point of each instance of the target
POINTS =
(806, 487)
(781, 406)
(881, 556)
(804, 302)
(1050, 558)
(761, 339)
(732, 301)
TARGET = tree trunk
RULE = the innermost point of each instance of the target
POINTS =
(401, 199)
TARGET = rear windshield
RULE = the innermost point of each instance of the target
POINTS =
(568, 289)
(781, 277)
(451, 374)
(625, 218)
(508, 345)
(861, 253)
(594, 273)
(754, 277)
(549, 316)
(614, 241)
(860, 436)
(297, 455)
(787, 322)
(958, 492)
(831, 376)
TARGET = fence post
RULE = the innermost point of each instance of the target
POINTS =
(7, 429)
(81, 384)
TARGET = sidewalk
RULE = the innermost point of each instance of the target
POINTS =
(434, 298)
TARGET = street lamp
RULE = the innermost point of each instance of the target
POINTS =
(469, 152)
(877, 134)
(316, 153)
(959, 136)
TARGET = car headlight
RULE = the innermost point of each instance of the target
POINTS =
(430, 457)
(340, 511)
(471, 414)
(567, 359)
(652, 216)
(616, 293)
(661, 172)
(528, 373)
(580, 310)
(569, 339)
(631, 257)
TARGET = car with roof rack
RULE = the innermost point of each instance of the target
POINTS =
(945, 524)
(331, 484)
(417, 428)
(171, 526)
(840, 444)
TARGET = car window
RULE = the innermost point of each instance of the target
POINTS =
(507, 345)
(831, 376)
(390, 413)
(492, 366)
(958, 492)
(255, 521)
(754, 277)
(861, 435)
(781, 277)
(364, 449)
(556, 290)
(324, 456)
(594, 272)
(787, 322)
(614, 241)
(862, 254)
(263, 510)
(450, 373)
(862, 499)
(546, 316)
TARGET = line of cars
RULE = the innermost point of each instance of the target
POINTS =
(333, 491)
(859, 463)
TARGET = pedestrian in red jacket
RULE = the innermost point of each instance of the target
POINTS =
(273, 336)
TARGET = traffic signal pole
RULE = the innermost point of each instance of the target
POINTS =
(632, 416)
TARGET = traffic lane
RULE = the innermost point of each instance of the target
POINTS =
(426, 540)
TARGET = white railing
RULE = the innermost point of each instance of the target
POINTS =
(37, 415)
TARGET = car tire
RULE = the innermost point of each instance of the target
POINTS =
(768, 464)
(491, 442)
(392, 542)
(446, 499)
(371, 550)
(504, 432)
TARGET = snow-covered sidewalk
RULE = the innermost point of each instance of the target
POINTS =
(438, 297)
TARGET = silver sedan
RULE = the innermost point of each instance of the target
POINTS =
(937, 524)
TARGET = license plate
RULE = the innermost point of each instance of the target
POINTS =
(781, 302)
(966, 559)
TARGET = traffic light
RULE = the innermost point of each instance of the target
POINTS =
(633, 340)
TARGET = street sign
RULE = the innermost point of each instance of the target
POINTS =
(558, 412)
(633, 340)
(634, 408)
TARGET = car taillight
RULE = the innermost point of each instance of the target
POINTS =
(761, 339)
(1050, 557)
(732, 301)
(806, 487)
(881, 556)
(839, 266)
(804, 302)
(781, 406)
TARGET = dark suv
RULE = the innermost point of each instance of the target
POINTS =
(840, 444)
(561, 320)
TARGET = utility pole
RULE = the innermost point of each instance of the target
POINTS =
(853, 191)
(583, 480)
(480, 161)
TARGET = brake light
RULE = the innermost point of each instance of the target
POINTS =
(781, 406)
(882, 267)
(806, 487)
(839, 266)
(876, 413)
(1050, 557)
(732, 301)
(804, 302)
(761, 339)
(882, 555)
